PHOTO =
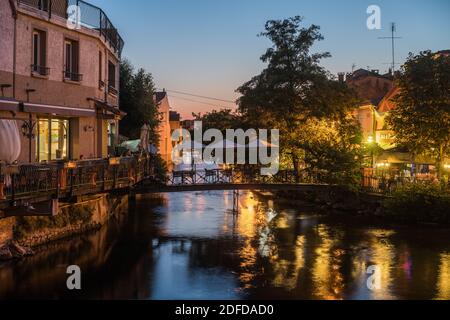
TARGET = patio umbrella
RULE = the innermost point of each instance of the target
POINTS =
(145, 137)
(132, 145)
(259, 143)
(225, 144)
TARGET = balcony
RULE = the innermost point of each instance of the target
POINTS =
(71, 76)
(112, 90)
(92, 18)
(40, 70)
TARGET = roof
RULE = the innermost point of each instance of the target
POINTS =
(174, 116)
(361, 73)
(387, 104)
(159, 96)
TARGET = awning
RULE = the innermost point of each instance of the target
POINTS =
(58, 110)
(9, 105)
(107, 108)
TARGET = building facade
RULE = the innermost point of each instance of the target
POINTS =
(59, 79)
(164, 130)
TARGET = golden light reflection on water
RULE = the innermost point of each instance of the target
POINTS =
(443, 282)
(287, 272)
(382, 255)
(327, 278)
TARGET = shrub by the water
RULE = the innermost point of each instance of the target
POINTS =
(420, 202)
(68, 216)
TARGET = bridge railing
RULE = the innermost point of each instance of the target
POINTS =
(238, 176)
(61, 179)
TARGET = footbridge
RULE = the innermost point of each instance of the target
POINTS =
(33, 190)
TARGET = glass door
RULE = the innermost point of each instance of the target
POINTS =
(53, 139)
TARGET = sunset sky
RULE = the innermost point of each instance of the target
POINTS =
(210, 47)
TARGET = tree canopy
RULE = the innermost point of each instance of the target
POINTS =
(136, 99)
(294, 93)
(222, 120)
(421, 119)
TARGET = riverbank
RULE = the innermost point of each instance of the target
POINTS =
(20, 235)
(415, 205)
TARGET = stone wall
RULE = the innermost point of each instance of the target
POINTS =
(90, 213)
(6, 230)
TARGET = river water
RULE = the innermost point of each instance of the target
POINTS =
(192, 246)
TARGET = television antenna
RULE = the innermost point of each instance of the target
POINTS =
(392, 38)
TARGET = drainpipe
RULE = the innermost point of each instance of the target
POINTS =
(14, 52)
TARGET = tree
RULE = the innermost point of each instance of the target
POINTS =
(294, 89)
(421, 119)
(136, 99)
(222, 120)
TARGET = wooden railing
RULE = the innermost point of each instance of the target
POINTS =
(66, 179)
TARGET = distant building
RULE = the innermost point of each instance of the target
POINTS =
(377, 92)
(175, 124)
(370, 85)
(165, 144)
(188, 124)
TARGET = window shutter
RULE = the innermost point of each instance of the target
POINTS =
(75, 55)
(43, 47)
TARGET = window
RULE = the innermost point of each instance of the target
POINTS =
(52, 139)
(39, 53)
(71, 61)
(43, 5)
(112, 77)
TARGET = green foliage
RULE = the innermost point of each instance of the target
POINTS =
(80, 214)
(223, 119)
(421, 118)
(160, 168)
(297, 96)
(332, 150)
(420, 202)
(136, 99)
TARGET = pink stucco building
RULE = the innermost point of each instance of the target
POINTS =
(59, 81)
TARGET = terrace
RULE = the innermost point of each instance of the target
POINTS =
(91, 17)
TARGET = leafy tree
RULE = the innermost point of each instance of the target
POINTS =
(293, 92)
(136, 99)
(332, 150)
(222, 120)
(421, 119)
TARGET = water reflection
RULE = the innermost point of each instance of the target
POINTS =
(191, 246)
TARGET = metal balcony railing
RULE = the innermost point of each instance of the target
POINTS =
(71, 76)
(112, 90)
(40, 70)
(91, 17)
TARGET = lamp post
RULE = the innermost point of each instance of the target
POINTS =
(370, 143)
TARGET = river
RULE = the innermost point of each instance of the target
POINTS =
(192, 246)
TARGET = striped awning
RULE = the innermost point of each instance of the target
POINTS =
(58, 110)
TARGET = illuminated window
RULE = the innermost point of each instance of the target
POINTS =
(52, 139)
